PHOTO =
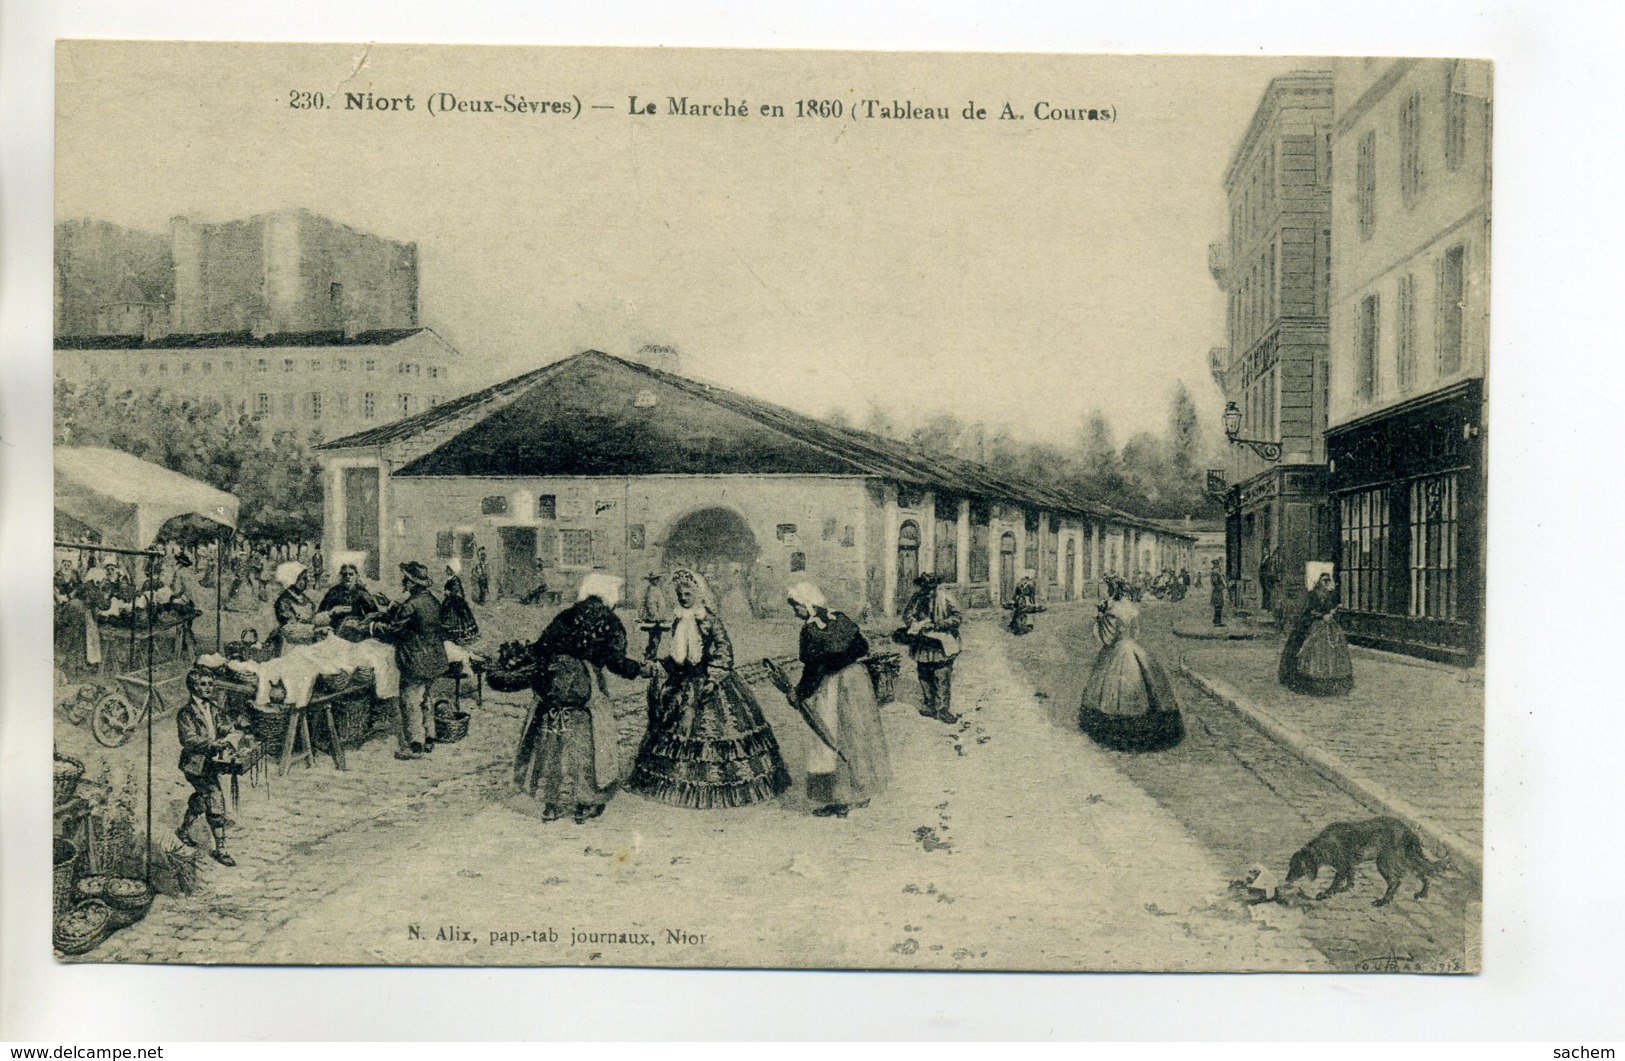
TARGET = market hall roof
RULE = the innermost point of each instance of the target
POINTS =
(598, 415)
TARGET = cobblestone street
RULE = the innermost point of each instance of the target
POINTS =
(1005, 842)
(1248, 799)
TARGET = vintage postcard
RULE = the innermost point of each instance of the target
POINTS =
(769, 509)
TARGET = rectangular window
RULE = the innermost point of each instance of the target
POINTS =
(315, 405)
(1433, 547)
(785, 532)
(1455, 119)
(262, 405)
(369, 405)
(849, 537)
(1366, 348)
(406, 405)
(228, 365)
(444, 543)
(344, 403)
(344, 364)
(262, 365)
(372, 364)
(909, 497)
(208, 367)
(1365, 550)
(832, 526)
(163, 368)
(287, 364)
(315, 364)
(495, 505)
(143, 369)
(1405, 333)
(186, 368)
(1410, 147)
(1452, 313)
(434, 372)
(547, 506)
(577, 548)
(798, 561)
(465, 546)
(335, 294)
(1365, 184)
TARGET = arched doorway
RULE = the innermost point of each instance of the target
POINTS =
(1071, 567)
(1007, 566)
(908, 561)
(719, 544)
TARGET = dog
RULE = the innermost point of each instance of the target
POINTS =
(1344, 845)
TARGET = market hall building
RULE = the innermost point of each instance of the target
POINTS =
(594, 462)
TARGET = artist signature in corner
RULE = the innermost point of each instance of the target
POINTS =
(1403, 964)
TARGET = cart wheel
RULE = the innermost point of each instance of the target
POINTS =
(77, 708)
(113, 721)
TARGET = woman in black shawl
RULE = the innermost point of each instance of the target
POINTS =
(560, 750)
(1315, 659)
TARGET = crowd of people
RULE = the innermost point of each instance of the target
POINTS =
(708, 743)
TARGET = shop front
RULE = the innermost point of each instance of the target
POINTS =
(1275, 523)
(1408, 493)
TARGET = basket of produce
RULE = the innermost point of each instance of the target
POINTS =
(65, 774)
(450, 725)
(64, 861)
(128, 899)
(514, 669)
(83, 927)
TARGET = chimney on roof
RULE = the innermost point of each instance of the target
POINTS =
(660, 356)
(260, 328)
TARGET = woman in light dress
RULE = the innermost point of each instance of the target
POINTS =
(1129, 703)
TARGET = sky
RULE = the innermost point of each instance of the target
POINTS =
(1015, 272)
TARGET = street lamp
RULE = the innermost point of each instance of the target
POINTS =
(1270, 451)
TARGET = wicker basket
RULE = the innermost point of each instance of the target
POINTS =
(352, 718)
(449, 729)
(65, 774)
(83, 927)
(64, 864)
(883, 670)
(505, 680)
(270, 724)
(127, 899)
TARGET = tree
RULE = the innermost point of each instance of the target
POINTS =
(278, 484)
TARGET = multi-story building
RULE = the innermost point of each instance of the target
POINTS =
(1409, 338)
(296, 321)
(1273, 269)
(324, 383)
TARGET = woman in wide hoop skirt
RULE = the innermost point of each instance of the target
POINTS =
(1129, 703)
(708, 743)
(1315, 659)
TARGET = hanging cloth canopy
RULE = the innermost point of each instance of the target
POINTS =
(128, 500)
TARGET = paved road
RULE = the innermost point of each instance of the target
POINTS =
(1006, 842)
(1247, 800)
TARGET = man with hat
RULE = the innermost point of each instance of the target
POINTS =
(1215, 579)
(654, 617)
(931, 631)
(204, 738)
(413, 625)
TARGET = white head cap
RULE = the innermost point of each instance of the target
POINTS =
(603, 585)
(288, 572)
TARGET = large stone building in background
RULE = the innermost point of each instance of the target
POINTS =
(595, 462)
(297, 321)
(1273, 269)
(1409, 343)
